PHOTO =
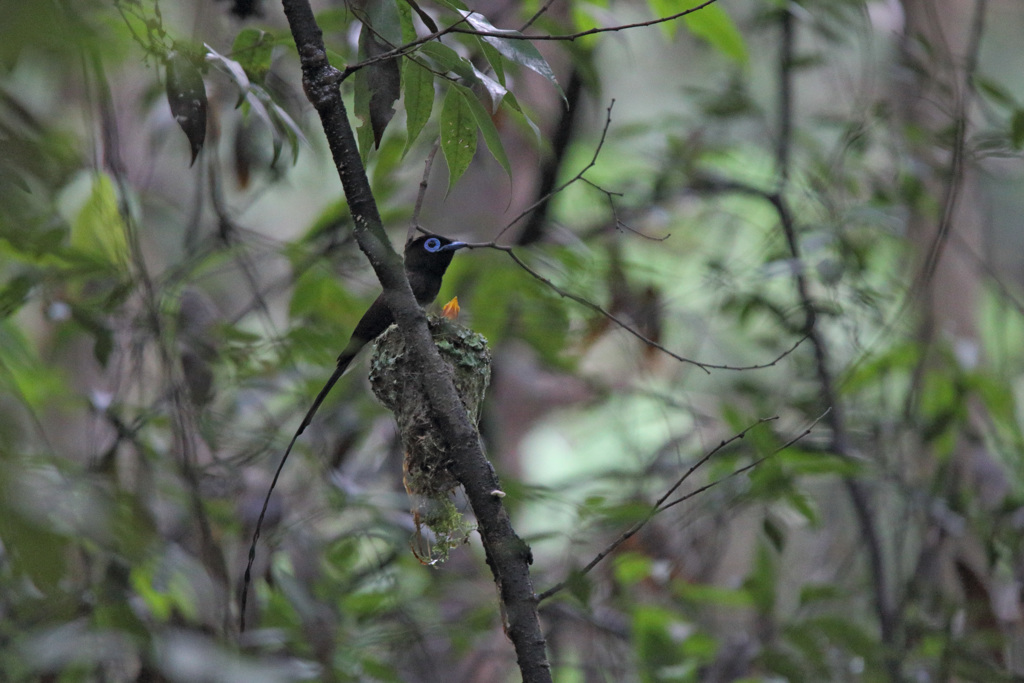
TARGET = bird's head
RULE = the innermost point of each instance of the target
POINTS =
(430, 253)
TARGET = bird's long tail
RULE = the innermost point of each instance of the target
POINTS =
(343, 362)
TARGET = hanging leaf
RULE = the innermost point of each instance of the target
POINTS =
(15, 293)
(232, 68)
(443, 56)
(494, 89)
(261, 105)
(380, 81)
(407, 8)
(494, 59)
(486, 125)
(186, 94)
(419, 99)
(713, 25)
(515, 48)
(458, 135)
(98, 230)
(253, 49)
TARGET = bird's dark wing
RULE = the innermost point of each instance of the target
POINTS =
(373, 323)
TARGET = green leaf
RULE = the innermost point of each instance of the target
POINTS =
(186, 96)
(384, 17)
(318, 296)
(379, 83)
(443, 56)
(419, 99)
(531, 312)
(229, 66)
(580, 586)
(995, 92)
(458, 135)
(716, 596)
(655, 644)
(453, 5)
(486, 125)
(14, 294)
(515, 48)
(94, 324)
(495, 89)
(253, 49)
(665, 8)
(714, 25)
(632, 568)
(33, 550)
(98, 230)
(847, 634)
(408, 28)
(494, 59)
(1017, 129)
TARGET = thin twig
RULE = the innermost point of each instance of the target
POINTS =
(511, 35)
(537, 15)
(888, 617)
(660, 505)
(956, 164)
(422, 193)
(579, 176)
(706, 367)
(399, 51)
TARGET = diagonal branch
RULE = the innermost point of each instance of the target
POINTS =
(507, 555)
(663, 503)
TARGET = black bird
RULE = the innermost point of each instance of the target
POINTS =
(426, 259)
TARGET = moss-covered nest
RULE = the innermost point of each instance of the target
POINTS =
(428, 477)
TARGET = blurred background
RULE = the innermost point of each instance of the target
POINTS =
(798, 222)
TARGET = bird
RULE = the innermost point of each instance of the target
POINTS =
(426, 259)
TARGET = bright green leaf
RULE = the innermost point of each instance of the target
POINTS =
(458, 135)
(494, 59)
(253, 50)
(717, 596)
(486, 125)
(665, 8)
(318, 296)
(443, 56)
(408, 28)
(632, 568)
(98, 230)
(418, 86)
(714, 25)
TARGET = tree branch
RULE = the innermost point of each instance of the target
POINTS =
(663, 503)
(507, 555)
(888, 616)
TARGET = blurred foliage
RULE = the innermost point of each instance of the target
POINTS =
(163, 328)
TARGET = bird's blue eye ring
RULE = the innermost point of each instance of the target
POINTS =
(432, 245)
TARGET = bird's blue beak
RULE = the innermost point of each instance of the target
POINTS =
(453, 246)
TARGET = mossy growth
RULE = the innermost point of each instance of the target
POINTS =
(428, 477)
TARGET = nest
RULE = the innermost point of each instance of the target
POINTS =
(428, 477)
